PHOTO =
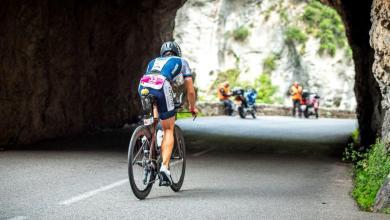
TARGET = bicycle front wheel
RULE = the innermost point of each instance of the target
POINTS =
(140, 177)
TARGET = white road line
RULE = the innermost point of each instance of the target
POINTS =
(18, 218)
(93, 192)
(203, 152)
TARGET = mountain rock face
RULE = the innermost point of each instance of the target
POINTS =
(68, 66)
(380, 42)
(362, 83)
(206, 32)
(359, 17)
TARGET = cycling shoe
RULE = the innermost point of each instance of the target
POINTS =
(165, 177)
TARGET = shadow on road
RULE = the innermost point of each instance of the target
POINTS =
(264, 135)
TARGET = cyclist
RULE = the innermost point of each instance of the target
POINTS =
(162, 73)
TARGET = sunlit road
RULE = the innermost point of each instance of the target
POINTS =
(268, 168)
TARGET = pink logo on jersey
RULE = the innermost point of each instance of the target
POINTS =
(153, 81)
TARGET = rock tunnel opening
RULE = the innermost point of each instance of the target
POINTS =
(69, 66)
(216, 24)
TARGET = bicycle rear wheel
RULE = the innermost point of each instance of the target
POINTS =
(177, 163)
(139, 181)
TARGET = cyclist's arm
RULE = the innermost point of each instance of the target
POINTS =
(189, 85)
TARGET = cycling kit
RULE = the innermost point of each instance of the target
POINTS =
(161, 74)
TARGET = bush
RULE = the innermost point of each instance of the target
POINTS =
(294, 34)
(183, 115)
(266, 90)
(241, 33)
(230, 75)
(328, 25)
(370, 173)
(269, 63)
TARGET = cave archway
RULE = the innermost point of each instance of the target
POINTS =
(68, 66)
(357, 18)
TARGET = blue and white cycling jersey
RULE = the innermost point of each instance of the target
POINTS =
(174, 69)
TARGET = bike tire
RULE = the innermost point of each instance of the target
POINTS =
(241, 112)
(306, 113)
(132, 152)
(179, 150)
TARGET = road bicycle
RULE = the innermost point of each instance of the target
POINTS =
(144, 159)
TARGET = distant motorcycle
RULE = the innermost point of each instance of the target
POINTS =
(245, 102)
(310, 104)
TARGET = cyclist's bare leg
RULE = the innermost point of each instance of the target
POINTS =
(168, 126)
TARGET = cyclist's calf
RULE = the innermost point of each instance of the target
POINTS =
(168, 126)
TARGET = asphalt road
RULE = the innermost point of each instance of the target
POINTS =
(268, 168)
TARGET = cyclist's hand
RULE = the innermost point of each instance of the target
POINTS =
(194, 111)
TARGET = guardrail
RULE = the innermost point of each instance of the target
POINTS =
(216, 108)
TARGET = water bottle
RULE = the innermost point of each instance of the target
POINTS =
(160, 135)
(146, 150)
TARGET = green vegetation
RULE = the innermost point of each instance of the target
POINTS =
(265, 89)
(241, 33)
(268, 12)
(230, 75)
(370, 173)
(182, 115)
(269, 63)
(326, 25)
(350, 153)
(294, 34)
(370, 170)
(348, 52)
(283, 14)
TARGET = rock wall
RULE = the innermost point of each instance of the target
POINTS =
(356, 16)
(212, 48)
(380, 42)
(216, 109)
(67, 66)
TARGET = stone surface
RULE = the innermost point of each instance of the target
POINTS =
(68, 66)
(212, 48)
(380, 42)
(216, 108)
(382, 200)
(356, 16)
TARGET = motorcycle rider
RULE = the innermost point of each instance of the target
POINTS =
(223, 96)
(296, 96)
(162, 73)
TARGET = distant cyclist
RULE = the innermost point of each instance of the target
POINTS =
(162, 73)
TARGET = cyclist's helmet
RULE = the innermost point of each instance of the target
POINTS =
(170, 46)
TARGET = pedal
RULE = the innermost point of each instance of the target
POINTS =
(162, 181)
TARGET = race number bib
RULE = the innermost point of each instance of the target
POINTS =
(153, 81)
